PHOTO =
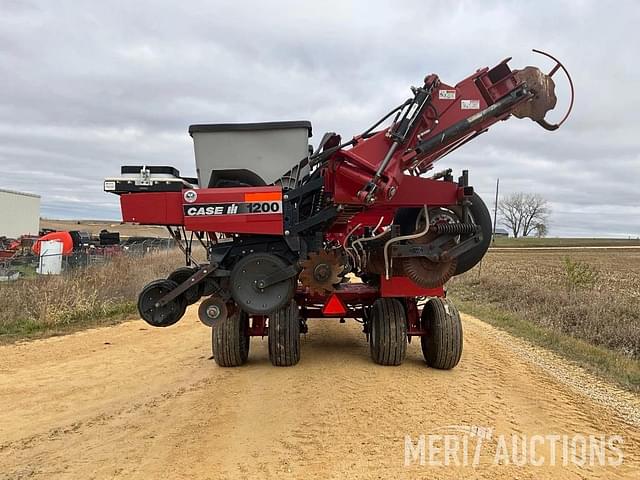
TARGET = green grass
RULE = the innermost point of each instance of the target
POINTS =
(612, 365)
(30, 329)
(564, 242)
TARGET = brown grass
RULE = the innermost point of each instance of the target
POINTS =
(83, 296)
(591, 296)
(542, 288)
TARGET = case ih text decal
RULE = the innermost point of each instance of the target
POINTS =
(253, 203)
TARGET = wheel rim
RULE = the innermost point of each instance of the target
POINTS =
(245, 277)
(165, 315)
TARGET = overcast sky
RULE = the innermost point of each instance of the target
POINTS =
(89, 86)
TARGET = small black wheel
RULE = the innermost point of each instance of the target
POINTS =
(193, 294)
(230, 340)
(442, 346)
(388, 332)
(284, 336)
(212, 310)
(160, 316)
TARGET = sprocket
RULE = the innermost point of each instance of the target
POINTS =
(321, 271)
(429, 274)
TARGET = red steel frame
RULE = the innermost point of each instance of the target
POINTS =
(355, 296)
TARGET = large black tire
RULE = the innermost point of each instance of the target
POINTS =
(442, 346)
(230, 340)
(480, 216)
(388, 332)
(284, 336)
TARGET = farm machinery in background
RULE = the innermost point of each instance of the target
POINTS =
(362, 228)
(73, 249)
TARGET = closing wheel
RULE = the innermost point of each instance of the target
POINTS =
(165, 315)
(388, 332)
(284, 335)
(442, 345)
(193, 294)
(230, 340)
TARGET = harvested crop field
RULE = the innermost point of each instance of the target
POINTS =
(589, 294)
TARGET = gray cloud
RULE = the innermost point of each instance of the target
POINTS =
(88, 87)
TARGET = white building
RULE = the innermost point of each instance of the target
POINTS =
(19, 214)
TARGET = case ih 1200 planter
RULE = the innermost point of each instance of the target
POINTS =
(285, 228)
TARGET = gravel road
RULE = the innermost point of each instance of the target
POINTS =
(130, 401)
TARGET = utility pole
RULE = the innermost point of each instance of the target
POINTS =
(495, 212)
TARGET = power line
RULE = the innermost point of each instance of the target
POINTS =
(495, 211)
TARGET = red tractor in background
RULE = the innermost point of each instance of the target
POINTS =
(355, 229)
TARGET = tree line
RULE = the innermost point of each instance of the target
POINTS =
(525, 214)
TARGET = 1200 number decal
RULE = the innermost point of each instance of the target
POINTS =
(264, 207)
(232, 208)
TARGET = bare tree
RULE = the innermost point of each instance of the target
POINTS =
(541, 230)
(522, 213)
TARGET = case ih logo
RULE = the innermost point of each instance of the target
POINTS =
(190, 196)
